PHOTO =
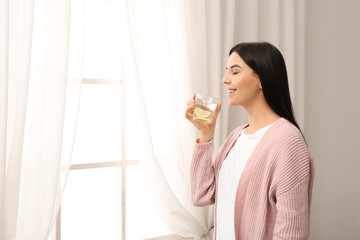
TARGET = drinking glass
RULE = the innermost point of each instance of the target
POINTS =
(205, 108)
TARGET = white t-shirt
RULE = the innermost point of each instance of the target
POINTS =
(229, 177)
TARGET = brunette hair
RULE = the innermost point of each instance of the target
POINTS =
(268, 63)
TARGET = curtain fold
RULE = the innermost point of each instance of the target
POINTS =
(4, 46)
(35, 149)
(167, 188)
(17, 68)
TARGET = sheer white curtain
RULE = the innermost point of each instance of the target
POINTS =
(33, 125)
(190, 41)
(164, 135)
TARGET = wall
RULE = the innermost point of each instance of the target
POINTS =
(332, 116)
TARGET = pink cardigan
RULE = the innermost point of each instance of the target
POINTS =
(274, 192)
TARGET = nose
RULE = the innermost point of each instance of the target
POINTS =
(226, 80)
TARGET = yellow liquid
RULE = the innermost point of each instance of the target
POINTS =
(203, 113)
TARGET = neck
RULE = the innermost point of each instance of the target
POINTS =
(260, 115)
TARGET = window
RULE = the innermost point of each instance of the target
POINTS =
(105, 197)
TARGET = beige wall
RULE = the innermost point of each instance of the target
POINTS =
(332, 116)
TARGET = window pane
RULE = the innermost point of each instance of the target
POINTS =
(98, 137)
(91, 206)
(102, 50)
(158, 117)
(142, 219)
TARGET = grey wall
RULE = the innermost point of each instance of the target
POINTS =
(332, 116)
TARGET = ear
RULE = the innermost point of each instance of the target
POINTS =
(260, 86)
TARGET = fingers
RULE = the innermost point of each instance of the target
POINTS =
(191, 100)
(188, 115)
(190, 107)
(190, 110)
(218, 108)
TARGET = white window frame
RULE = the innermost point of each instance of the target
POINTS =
(123, 163)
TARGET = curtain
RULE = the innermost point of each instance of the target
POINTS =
(37, 129)
(190, 41)
(163, 135)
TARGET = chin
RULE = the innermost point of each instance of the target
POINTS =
(231, 103)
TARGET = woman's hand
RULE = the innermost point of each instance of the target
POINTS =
(206, 130)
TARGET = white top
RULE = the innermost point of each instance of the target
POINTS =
(229, 177)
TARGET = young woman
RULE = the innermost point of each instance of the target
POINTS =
(261, 180)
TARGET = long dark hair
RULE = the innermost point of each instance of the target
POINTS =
(268, 63)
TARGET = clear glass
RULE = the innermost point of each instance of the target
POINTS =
(205, 108)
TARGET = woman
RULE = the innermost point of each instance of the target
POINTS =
(261, 180)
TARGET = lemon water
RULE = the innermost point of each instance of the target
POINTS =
(204, 112)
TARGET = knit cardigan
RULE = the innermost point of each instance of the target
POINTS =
(273, 196)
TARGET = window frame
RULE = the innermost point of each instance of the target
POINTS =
(123, 163)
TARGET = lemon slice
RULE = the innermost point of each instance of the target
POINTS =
(201, 113)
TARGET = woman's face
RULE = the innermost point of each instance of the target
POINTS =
(242, 83)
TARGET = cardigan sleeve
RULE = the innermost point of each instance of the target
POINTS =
(293, 180)
(292, 219)
(202, 175)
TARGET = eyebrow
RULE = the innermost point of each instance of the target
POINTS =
(234, 66)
